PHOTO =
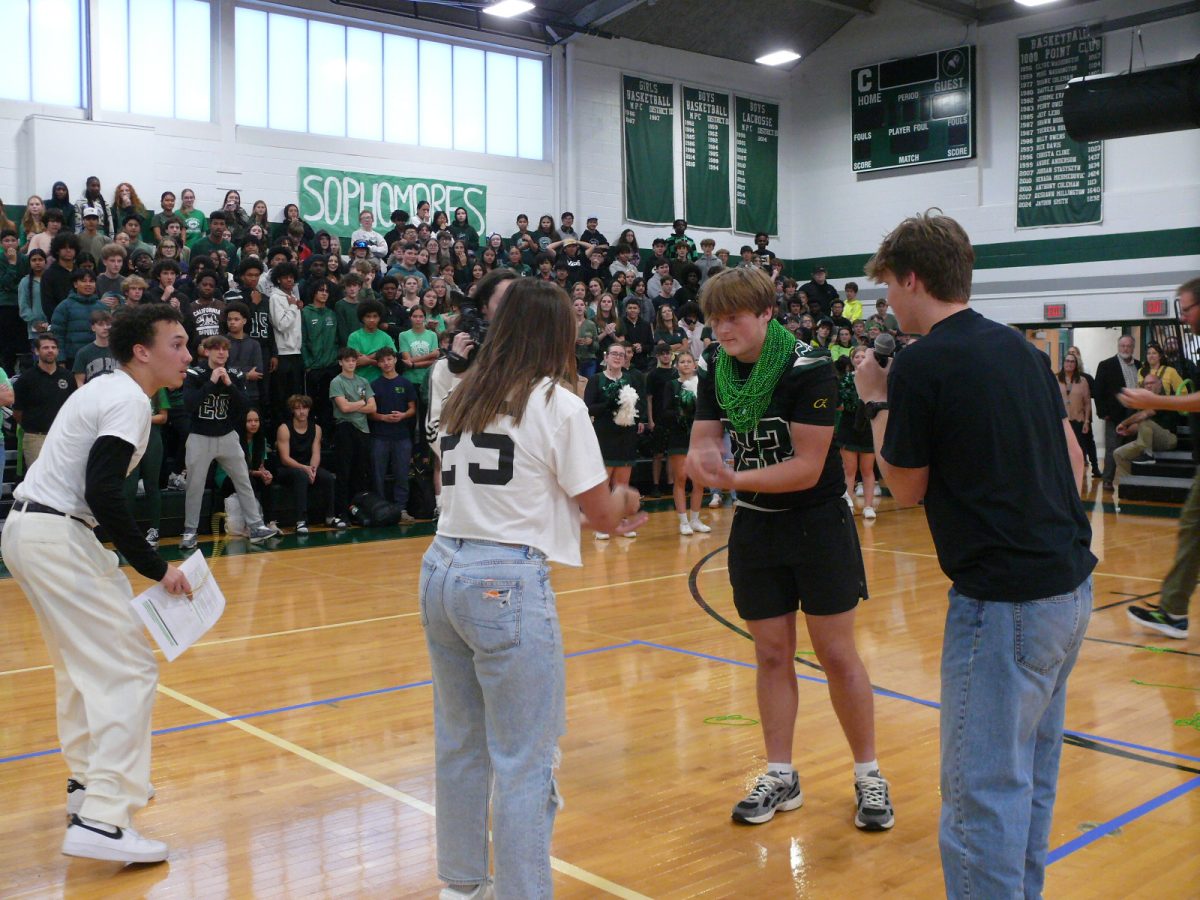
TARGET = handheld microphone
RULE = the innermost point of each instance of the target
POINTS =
(885, 349)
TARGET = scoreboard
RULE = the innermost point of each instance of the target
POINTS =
(910, 112)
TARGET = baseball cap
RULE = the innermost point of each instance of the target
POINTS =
(361, 244)
(91, 211)
(819, 269)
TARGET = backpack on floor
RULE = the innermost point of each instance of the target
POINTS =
(372, 511)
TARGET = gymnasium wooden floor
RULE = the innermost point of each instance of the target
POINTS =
(293, 752)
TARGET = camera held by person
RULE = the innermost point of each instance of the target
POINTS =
(475, 316)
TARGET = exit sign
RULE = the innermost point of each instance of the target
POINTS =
(1052, 312)
(1156, 307)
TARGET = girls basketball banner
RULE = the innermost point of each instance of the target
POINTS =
(648, 116)
(331, 199)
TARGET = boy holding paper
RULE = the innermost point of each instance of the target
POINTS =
(104, 671)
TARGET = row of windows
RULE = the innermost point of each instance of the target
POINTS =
(300, 74)
(291, 73)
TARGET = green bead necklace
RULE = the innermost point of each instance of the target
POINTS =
(745, 400)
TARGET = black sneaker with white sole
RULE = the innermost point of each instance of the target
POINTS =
(874, 803)
(1154, 619)
(98, 840)
(772, 793)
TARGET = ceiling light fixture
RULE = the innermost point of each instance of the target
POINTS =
(506, 9)
(1034, 2)
(778, 58)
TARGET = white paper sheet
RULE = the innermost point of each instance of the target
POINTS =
(174, 621)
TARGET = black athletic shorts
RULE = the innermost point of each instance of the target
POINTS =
(806, 559)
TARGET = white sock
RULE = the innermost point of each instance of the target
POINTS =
(683, 518)
(784, 769)
(695, 516)
(861, 770)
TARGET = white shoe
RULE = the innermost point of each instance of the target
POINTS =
(602, 535)
(96, 840)
(627, 534)
(715, 500)
(849, 500)
(698, 526)
(858, 489)
(685, 529)
(869, 512)
(878, 491)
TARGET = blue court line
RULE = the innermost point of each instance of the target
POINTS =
(1059, 852)
(1115, 742)
(1125, 818)
(292, 708)
(920, 701)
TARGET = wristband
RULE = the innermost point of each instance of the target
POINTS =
(874, 408)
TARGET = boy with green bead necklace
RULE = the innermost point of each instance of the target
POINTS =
(777, 398)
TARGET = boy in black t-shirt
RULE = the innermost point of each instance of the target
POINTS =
(1000, 482)
(777, 399)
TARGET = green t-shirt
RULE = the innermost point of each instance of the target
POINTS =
(366, 343)
(417, 345)
(347, 320)
(355, 389)
(587, 329)
(92, 361)
(195, 225)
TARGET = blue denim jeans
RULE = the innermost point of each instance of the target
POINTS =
(1004, 693)
(499, 696)
(394, 453)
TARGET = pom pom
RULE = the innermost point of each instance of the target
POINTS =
(626, 413)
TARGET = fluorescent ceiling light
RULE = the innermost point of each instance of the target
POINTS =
(508, 8)
(778, 58)
(1034, 2)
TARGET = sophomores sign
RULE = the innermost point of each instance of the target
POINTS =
(332, 199)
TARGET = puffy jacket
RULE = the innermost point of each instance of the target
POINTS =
(72, 323)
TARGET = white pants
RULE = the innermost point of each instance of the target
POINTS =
(104, 671)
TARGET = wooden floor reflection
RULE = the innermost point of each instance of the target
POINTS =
(294, 757)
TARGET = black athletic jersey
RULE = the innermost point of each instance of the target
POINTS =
(807, 394)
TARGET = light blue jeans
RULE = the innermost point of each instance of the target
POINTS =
(499, 698)
(1004, 693)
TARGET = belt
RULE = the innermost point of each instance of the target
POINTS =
(30, 506)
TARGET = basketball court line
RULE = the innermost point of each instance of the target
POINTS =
(569, 869)
(238, 721)
(309, 704)
(254, 637)
(1058, 853)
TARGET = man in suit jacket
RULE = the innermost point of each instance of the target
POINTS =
(1112, 376)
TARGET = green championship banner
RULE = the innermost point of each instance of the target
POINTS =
(706, 158)
(1059, 181)
(332, 199)
(648, 113)
(757, 166)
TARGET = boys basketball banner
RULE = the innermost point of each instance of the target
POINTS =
(331, 199)
(706, 158)
(648, 114)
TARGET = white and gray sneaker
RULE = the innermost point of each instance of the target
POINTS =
(874, 803)
(90, 839)
(152, 537)
(772, 793)
(262, 532)
(188, 541)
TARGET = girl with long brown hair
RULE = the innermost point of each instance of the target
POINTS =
(519, 461)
